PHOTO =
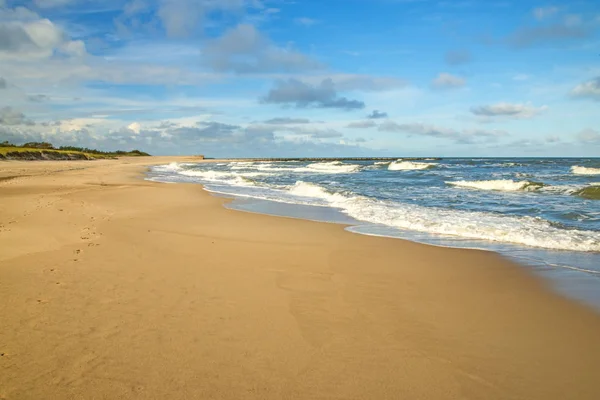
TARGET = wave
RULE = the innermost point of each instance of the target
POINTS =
(523, 230)
(171, 167)
(333, 167)
(503, 185)
(175, 169)
(578, 170)
(395, 213)
(307, 189)
(409, 166)
(336, 167)
(381, 162)
(591, 192)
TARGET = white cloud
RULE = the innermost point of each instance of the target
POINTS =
(590, 136)
(243, 49)
(458, 136)
(588, 89)
(135, 127)
(521, 77)
(10, 116)
(447, 81)
(180, 17)
(24, 35)
(293, 92)
(51, 3)
(306, 21)
(542, 13)
(457, 57)
(362, 124)
(573, 20)
(508, 110)
(17, 14)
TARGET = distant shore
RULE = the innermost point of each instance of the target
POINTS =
(117, 287)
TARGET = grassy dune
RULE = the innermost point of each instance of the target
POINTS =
(26, 154)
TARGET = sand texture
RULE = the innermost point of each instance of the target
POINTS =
(112, 287)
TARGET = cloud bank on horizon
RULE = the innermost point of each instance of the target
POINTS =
(243, 78)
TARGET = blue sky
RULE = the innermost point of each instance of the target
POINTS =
(237, 78)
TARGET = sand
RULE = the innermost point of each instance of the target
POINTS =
(113, 287)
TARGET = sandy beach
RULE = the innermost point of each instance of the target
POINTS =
(113, 287)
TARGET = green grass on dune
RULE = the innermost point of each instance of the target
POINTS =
(29, 153)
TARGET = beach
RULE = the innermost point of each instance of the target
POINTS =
(114, 287)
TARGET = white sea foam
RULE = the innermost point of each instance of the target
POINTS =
(578, 170)
(409, 165)
(381, 162)
(226, 177)
(529, 231)
(483, 225)
(336, 167)
(171, 167)
(503, 185)
(307, 189)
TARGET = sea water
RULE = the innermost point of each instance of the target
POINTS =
(542, 212)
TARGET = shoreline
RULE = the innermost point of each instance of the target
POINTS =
(571, 280)
(118, 287)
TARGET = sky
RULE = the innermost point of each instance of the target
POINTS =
(304, 78)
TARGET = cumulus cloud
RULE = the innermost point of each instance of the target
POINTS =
(541, 13)
(286, 120)
(362, 124)
(244, 49)
(166, 125)
(508, 110)
(457, 57)
(10, 116)
(211, 138)
(135, 127)
(588, 89)
(590, 136)
(447, 81)
(293, 92)
(459, 136)
(376, 114)
(23, 34)
(364, 83)
(180, 17)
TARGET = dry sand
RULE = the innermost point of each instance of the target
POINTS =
(112, 287)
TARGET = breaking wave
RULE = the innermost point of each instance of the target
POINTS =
(529, 231)
(578, 170)
(423, 208)
(591, 192)
(336, 167)
(409, 165)
(503, 185)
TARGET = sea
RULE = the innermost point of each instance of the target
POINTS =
(543, 213)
